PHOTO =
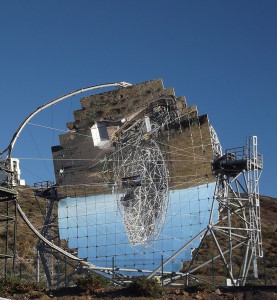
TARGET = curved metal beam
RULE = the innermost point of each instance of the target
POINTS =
(41, 237)
(52, 102)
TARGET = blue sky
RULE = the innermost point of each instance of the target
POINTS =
(221, 55)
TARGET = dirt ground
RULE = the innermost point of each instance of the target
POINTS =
(238, 293)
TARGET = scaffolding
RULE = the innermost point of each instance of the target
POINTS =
(57, 268)
(237, 192)
(236, 235)
(8, 219)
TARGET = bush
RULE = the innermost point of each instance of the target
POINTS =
(91, 282)
(15, 285)
(201, 287)
(144, 287)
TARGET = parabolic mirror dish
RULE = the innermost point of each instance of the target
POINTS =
(134, 177)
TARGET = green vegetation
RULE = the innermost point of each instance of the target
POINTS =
(15, 285)
(91, 282)
(143, 287)
(202, 287)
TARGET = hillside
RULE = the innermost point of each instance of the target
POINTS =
(269, 232)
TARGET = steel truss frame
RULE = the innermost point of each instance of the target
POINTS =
(237, 234)
(52, 261)
(140, 172)
(45, 254)
(8, 219)
(144, 202)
